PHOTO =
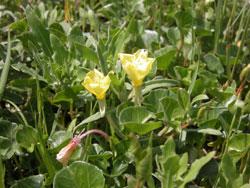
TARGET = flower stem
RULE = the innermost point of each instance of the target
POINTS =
(137, 99)
(6, 67)
(102, 106)
(96, 131)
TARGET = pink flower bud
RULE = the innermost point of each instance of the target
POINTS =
(65, 153)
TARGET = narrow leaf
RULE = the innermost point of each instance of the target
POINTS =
(195, 168)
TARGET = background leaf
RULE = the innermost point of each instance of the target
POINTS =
(195, 168)
(79, 174)
(39, 31)
(30, 182)
(213, 63)
(27, 137)
(142, 128)
(134, 115)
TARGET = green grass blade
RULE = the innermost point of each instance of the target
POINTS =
(2, 173)
(6, 68)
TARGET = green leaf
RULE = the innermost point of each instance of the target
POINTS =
(171, 108)
(165, 60)
(115, 80)
(25, 69)
(57, 30)
(142, 128)
(27, 137)
(66, 95)
(174, 35)
(30, 182)
(195, 168)
(199, 98)
(184, 19)
(239, 142)
(194, 78)
(6, 146)
(134, 115)
(102, 62)
(2, 173)
(7, 139)
(53, 16)
(183, 165)
(23, 83)
(89, 54)
(168, 163)
(120, 165)
(119, 39)
(168, 149)
(89, 119)
(230, 173)
(159, 83)
(214, 64)
(20, 25)
(59, 138)
(6, 128)
(60, 55)
(202, 32)
(170, 167)
(79, 174)
(209, 131)
(152, 100)
(76, 36)
(228, 168)
(184, 99)
(39, 31)
(144, 165)
(99, 153)
(245, 186)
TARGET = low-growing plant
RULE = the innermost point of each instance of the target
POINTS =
(105, 94)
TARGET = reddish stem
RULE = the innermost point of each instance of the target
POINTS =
(95, 131)
(240, 89)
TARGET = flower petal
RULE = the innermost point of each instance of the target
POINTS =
(96, 83)
(137, 66)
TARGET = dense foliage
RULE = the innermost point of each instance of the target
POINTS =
(76, 112)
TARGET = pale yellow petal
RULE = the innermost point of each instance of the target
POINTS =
(96, 83)
(137, 66)
(126, 58)
(133, 74)
(141, 53)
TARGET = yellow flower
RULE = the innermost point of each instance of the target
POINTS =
(66, 152)
(96, 83)
(137, 66)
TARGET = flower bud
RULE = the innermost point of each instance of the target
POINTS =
(65, 153)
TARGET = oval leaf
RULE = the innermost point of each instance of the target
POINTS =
(134, 115)
(79, 174)
(143, 128)
(27, 138)
(239, 142)
(30, 182)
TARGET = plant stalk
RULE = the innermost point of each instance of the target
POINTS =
(137, 99)
(102, 106)
(6, 68)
